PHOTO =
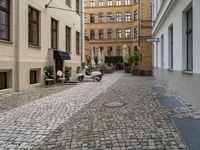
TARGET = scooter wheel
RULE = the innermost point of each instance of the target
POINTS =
(80, 78)
(98, 78)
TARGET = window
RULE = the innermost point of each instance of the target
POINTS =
(135, 49)
(135, 32)
(119, 33)
(77, 6)
(92, 3)
(100, 17)
(3, 80)
(109, 51)
(135, 1)
(135, 15)
(128, 16)
(92, 34)
(68, 38)
(101, 34)
(109, 32)
(92, 18)
(118, 2)
(127, 33)
(68, 2)
(33, 27)
(127, 2)
(100, 2)
(189, 33)
(54, 34)
(118, 51)
(118, 17)
(171, 47)
(85, 3)
(110, 17)
(109, 2)
(33, 76)
(5, 20)
(77, 43)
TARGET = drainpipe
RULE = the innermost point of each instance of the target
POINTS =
(82, 32)
(16, 40)
(140, 22)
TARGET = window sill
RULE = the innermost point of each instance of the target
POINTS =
(187, 72)
(6, 42)
(36, 47)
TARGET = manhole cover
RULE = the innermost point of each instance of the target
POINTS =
(114, 104)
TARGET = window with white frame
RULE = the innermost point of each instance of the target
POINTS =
(189, 36)
(100, 2)
(171, 34)
(118, 2)
(118, 33)
(101, 34)
(110, 17)
(109, 33)
(127, 2)
(85, 3)
(118, 17)
(128, 16)
(100, 17)
(127, 33)
(92, 3)
(136, 15)
(109, 2)
(135, 1)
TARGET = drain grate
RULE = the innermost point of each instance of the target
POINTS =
(159, 90)
(170, 102)
(189, 131)
(114, 104)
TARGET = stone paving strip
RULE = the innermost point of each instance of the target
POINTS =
(25, 127)
(127, 116)
(10, 100)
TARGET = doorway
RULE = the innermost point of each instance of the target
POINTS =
(59, 66)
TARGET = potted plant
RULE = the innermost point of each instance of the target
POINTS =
(49, 72)
(135, 70)
(67, 73)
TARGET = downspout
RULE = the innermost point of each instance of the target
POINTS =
(17, 45)
(82, 33)
(140, 22)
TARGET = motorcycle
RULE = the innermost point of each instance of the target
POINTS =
(95, 75)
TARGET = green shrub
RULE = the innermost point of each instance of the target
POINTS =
(67, 72)
(49, 72)
(106, 69)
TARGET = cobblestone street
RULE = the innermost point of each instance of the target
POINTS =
(121, 112)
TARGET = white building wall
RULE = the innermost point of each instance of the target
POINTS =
(184, 83)
(17, 57)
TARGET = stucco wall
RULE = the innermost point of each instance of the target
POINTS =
(19, 56)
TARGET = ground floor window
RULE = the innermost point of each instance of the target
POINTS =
(3, 80)
(33, 76)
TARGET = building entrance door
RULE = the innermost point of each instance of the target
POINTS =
(59, 66)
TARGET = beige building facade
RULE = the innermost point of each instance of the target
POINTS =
(31, 34)
(111, 24)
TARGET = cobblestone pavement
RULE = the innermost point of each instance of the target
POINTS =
(12, 100)
(26, 126)
(140, 123)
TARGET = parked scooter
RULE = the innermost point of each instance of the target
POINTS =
(95, 75)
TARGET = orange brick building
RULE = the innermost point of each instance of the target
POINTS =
(110, 24)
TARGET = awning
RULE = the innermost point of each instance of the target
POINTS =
(61, 55)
